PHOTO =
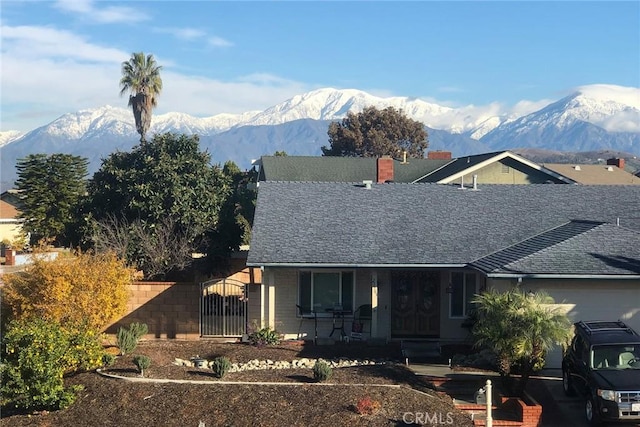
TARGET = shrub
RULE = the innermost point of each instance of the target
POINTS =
(127, 339)
(367, 406)
(265, 336)
(220, 366)
(321, 370)
(36, 355)
(142, 362)
(78, 289)
(108, 359)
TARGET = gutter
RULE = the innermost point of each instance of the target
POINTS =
(563, 276)
(339, 265)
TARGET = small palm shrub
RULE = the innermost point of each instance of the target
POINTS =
(142, 362)
(220, 366)
(127, 339)
(321, 370)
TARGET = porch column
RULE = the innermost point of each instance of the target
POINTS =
(272, 301)
(374, 304)
(263, 301)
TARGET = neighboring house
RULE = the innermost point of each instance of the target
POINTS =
(10, 217)
(612, 173)
(348, 169)
(419, 253)
(501, 167)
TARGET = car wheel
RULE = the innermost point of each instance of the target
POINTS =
(591, 412)
(567, 386)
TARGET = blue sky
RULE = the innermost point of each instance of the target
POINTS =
(232, 57)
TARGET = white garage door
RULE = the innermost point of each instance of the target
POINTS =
(607, 301)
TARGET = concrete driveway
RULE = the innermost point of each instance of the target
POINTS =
(558, 410)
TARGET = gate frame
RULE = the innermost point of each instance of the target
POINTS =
(244, 302)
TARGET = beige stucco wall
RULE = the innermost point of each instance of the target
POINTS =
(586, 300)
(11, 231)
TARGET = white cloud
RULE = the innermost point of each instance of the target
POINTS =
(88, 9)
(49, 72)
(218, 42)
(182, 33)
(47, 42)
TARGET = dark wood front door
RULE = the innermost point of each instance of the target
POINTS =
(415, 304)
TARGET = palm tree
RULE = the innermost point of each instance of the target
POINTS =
(520, 329)
(141, 78)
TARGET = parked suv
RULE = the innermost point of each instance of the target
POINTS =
(603, 365)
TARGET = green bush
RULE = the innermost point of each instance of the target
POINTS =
(321, 370)
(36, 356)
(108, 359)
(127, 339)
(265, 336)
(142, 362)
(220, 366)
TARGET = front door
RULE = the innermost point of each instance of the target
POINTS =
(415, 304)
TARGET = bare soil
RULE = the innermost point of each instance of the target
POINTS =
(118, 402)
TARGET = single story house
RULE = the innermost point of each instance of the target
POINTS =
(418, 253)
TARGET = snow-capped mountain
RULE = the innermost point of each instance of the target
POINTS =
(594, 117)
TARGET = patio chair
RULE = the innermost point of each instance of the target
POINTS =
(306, 313)
(360, 317)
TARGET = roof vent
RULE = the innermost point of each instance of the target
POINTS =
(577, 167)
(610, 168)
(367, 184)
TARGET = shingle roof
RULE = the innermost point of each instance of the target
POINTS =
(340, 169)
(341, 224)
(594, 174)
(577, 248)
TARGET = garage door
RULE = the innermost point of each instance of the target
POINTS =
(615, 302)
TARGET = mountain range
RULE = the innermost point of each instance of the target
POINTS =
(593, 118)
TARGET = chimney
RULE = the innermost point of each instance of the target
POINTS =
(385, 169)
(10, 257)
(616, 162)
(439, 155)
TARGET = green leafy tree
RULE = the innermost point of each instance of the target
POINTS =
(375, 133)
(141, 78)
(520, 329)
(166, 187)
(51, 189)
(236, 217)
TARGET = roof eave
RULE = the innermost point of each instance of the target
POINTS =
(347, 265)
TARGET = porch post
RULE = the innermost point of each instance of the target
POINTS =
(374, 304)
(263, 300)
(272, 301)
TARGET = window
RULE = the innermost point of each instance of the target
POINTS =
(320, 290)
(463, 290)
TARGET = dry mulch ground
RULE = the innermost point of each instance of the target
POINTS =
(115, 402)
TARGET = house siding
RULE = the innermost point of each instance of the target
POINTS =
(585, 300)
(517, 174)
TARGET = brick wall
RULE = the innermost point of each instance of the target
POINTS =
(170, 310)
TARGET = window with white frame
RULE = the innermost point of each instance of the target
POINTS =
(464, 286)
(322, 290)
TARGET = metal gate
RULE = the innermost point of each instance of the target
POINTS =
(223, 308)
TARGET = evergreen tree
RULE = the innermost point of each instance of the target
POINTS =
(51, 189)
